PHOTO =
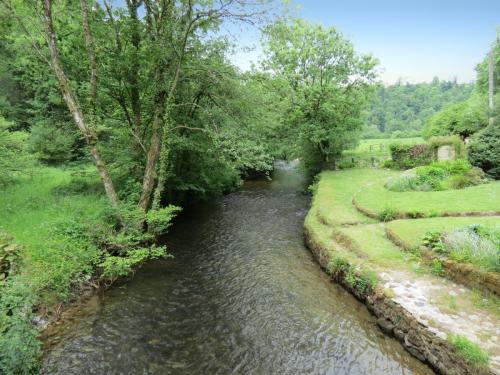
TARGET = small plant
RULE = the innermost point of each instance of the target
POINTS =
(388, 214)
(337, 265)
(433, 241)
(470, 351)
(437, 268)
(452, 302)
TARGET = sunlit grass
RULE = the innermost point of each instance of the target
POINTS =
(411, 232)
(481, 198)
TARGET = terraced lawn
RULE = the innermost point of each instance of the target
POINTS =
(411, 232)
(481, 199)
(446, 308)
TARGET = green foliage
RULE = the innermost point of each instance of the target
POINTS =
(463, 119)
(442, 175)
(10, 254)
(159, 220)
(437, 268)
(20, 349)
(475, 244)
(329, 84)
(400, 110)
(406, 156)
(433, 240)
(484, 149)
(470, 351)
(13, 158)
(53, 143)
(453, 140)
(388, 214)
(116, 266)
(361, 280)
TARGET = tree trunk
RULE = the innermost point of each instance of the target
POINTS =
(148, 181)
(491, 83)
(74, 107)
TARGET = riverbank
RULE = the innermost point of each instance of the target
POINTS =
(437, 321)
(62, 244)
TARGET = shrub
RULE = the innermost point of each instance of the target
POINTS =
(468, 245)
(159, 220)
(458, 182)
(19, 347)
(13, 158)
(470, 351)
(54, 143)
(116, 266)
(484, 149)
(403, 183)
(409, 156)
(388, 214)
(433, 241)
(437, 268)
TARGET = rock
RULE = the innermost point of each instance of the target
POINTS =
(385, 325)
(416, 353)
(399, 334)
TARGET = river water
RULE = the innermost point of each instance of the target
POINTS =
(241, 296)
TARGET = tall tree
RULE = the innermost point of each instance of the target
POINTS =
(330, 86)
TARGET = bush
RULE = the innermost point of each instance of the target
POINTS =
(410, 156)
(13, 158)
(484, 149)
(19, 346)
(400, 184)
(458, 182)
(53, 143)
(476, 245)
(388, 214)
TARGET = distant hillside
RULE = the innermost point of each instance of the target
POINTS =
(402, 109)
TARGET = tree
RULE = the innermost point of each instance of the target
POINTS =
(330, 84)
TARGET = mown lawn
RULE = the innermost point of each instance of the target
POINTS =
(336, 189)
(411, 232)
(482, 198)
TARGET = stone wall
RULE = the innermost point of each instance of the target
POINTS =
(397, 322)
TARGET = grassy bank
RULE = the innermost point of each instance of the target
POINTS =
(360, 254)
(50, 221)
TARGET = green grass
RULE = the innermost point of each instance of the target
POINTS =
(32, 209)
(379, 250)
(411, 232)
(380, 147)
(336, 189)
(470, 351)
(51, 217)
(376, 198)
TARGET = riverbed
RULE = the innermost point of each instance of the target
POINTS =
(242, 295)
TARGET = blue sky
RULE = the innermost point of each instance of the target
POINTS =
(414, 40)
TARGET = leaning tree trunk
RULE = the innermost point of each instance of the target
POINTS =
(74, 107)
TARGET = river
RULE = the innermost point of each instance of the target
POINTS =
(242, 295)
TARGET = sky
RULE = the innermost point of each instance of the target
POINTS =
(413, 40)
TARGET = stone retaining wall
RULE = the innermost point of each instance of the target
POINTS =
(395, 321)
(462, 273)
